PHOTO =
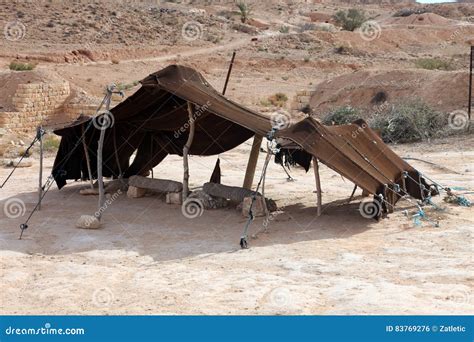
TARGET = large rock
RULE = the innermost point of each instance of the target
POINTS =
(89, 191)
(26, 162)
(258, 207)
(134, 192)
(233, 193)
(208, 201)
(88, 222)
(174, 198)
(117, 184)
(160, 185)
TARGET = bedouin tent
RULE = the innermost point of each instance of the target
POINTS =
(153, 121)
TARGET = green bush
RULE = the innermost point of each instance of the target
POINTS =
(341, 116)
(409, 122)
(51, 143)
(126, 86)
(19, 66)
(351, 19)
(244, 10)
(433, 64)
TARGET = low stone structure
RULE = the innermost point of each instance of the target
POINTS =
(35, 103)
(301, 100)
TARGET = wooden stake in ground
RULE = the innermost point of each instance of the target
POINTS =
(186, 151)
(318, 183)
(252, 163)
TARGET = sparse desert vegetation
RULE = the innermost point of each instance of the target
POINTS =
(20, 66)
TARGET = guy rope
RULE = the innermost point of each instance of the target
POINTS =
(271, 150)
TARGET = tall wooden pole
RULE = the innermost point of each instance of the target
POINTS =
(40, 178)
(228, 73)
(252, 163)
(186, 151)
(100, 179)
(86, 152)
(318, 184)
(470, 88)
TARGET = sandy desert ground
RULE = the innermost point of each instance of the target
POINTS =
(148, 258)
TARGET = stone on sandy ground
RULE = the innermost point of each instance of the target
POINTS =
(134, 192)
(258, 209)
(88, 222)
(89, 191)
(26, 162)
(160, 185)
(233, 193)
(174, 198)
(208, 201)
(116, 185)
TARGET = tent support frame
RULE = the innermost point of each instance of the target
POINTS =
(252, 163)
(318, 184)
(88, 160)
(40, 133)
(186, 148)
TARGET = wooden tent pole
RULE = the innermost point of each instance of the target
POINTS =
(252, 163)
(86, 152)
(470, 89)
(228, 72)
(318, 184)
(100, 179)
(40, 178)
(186, 151)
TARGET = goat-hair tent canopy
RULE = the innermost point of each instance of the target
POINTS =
(152, 121)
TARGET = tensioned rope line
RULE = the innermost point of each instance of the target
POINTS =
(270, 152)
(425, 200)
(420, 213)
(50, 179)
(38, 136)
(357, 176)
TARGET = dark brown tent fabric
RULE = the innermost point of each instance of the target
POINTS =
(154, 121)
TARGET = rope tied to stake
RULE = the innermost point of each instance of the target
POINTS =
(271, 150)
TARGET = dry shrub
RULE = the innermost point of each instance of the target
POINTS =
(278, 99)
